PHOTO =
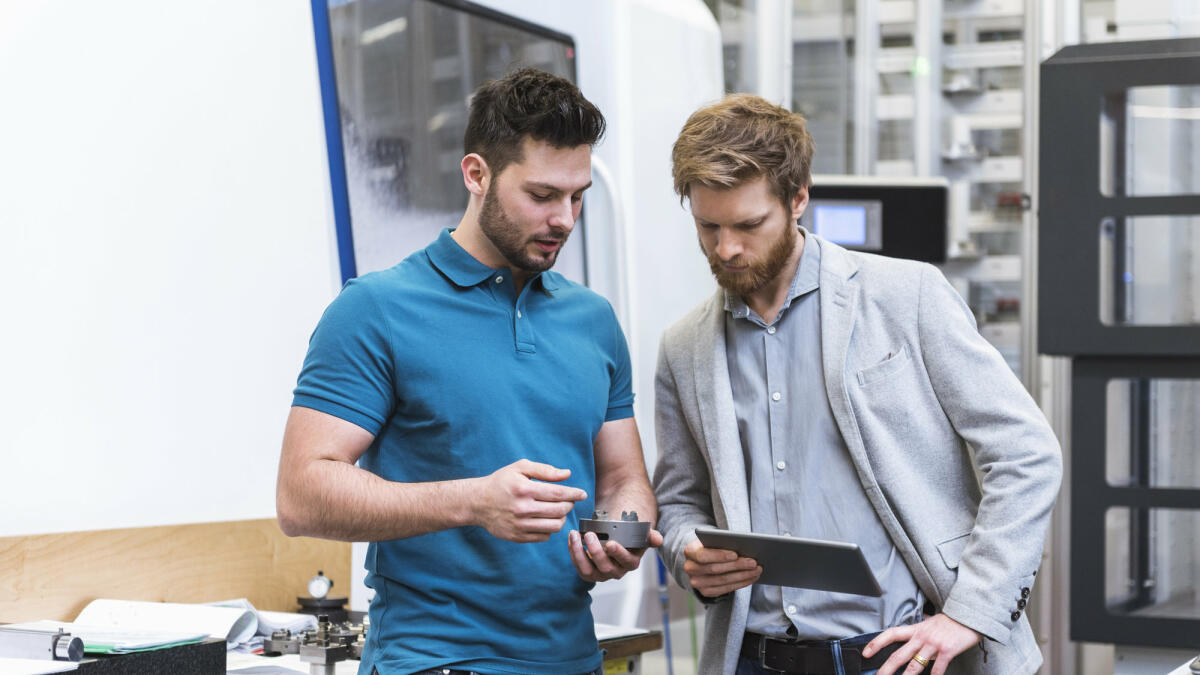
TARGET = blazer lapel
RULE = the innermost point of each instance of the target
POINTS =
(717, 417)
(839, 295)
(839, 298)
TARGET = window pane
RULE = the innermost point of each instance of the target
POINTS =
(1153, 433)
(1150, 271)
(1150, 142)
(1152, 562)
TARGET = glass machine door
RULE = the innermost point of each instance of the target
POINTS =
(1119, 244)
(396, 77)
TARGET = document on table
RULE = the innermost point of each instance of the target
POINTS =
(112, 626)
(608, 631)
(114, 640)
(269, 622)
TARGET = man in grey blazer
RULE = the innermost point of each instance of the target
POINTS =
(832, 394)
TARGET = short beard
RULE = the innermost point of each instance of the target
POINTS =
(506, 236)
(760, 272)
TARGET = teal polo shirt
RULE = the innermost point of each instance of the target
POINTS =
(456, 376)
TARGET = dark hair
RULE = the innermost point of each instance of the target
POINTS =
(528, 102)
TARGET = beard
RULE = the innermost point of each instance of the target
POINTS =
(759, 272)
(506, 235)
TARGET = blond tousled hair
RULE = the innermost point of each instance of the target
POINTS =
(738, 139)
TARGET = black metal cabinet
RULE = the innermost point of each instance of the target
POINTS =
(1119, 238)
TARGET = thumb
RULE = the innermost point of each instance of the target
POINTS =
(540, 471)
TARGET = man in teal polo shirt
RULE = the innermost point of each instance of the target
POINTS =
(490, 403)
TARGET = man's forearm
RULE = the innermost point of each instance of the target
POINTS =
(336, 500)
(626, 491)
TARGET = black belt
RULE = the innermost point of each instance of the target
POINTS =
(811, 658)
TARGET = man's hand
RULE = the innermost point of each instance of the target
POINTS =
(513, 505)
(937, 639)
(715, 572)
(602, 561)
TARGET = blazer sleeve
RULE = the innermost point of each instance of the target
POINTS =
(681, 478)
(1017, 457)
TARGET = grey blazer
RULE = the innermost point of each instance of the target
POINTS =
(915, 391)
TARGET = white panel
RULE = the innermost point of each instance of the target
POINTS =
(167, 249)
(895, 107)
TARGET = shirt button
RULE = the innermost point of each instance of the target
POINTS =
(776, 396)
(770, 330)
(518, 313)
(781, 465)
(499, 279)
(791, 609)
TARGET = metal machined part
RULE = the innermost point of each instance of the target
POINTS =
(40, 644)
(282, 642)
(628, 531)
(328, 644)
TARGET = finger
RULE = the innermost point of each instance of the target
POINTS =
(528, 537)
(604, 565)
(712, 555)
(939, 666)
(899, 661)
(531, 508)
(546, 492)
(541, 471)
(714, 569)
(914, 667)
(728, 583)
(655, 540)
(731, 581)
(886, 638)
(621, 555)
(540, 526)
(579, 557)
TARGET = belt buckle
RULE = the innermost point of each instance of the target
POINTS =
(776, 659)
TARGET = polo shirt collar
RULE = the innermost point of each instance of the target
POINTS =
(452, 260)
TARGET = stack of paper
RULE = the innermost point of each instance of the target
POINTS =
(269, 622)
(115, 640)
(118, 626)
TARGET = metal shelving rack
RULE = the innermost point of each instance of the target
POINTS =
(905, 88)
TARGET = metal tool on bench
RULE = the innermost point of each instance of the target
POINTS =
(322, 648)
(25, 643)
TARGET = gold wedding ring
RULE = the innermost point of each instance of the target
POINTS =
(921, 660)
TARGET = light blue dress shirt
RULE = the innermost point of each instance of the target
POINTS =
(801, 479)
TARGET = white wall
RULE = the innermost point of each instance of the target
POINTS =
(166, 241)
(165, 250)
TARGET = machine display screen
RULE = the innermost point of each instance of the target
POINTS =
(856, 224)
(846, 225)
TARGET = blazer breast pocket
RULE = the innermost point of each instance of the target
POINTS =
(886, 368)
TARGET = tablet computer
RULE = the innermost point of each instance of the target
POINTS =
(800, 563)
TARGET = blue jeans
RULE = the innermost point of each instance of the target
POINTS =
(441, 671)
(747, 666)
